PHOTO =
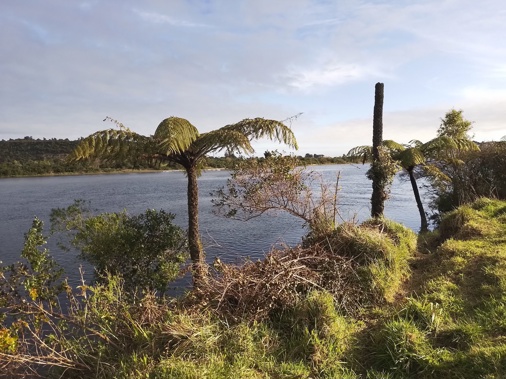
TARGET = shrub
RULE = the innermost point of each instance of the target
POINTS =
(147, 250)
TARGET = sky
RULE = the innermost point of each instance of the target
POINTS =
(67, 64)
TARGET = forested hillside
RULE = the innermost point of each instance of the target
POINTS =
(30, 157)
(27, 148)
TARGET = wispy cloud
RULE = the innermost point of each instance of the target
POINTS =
(158, 18)
(331, 74)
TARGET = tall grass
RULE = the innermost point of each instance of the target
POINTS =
(360, 302)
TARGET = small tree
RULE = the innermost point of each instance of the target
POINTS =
(180, 142)
(279, 183)
(444, 156)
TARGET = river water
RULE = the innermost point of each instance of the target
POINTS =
(21, 199)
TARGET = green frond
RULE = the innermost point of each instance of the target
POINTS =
(363, 152)
(259, 127)
(222, 139)
(415, 143)
(410, 157)
(360, 151)
(392, 145)
(446, 143)
(467, 145)
(433, 171)
(175, 135)
(106, 144)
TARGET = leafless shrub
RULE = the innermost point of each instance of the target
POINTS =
(254, 290)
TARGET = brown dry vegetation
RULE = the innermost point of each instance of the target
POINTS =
(361, 266)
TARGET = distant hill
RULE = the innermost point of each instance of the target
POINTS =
(29, 149)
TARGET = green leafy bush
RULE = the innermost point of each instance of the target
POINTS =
(147, 250)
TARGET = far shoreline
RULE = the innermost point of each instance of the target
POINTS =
(140, 171)
(112, 172)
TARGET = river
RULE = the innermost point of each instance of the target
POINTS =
(21, 199)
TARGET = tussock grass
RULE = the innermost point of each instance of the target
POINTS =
(356, 302)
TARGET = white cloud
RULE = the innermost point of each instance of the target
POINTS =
(159, 18)
(330, 74)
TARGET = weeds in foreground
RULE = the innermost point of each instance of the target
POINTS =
(347, 306)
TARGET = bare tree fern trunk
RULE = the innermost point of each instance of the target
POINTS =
(423, 218)
(378, 188)
(195, 245)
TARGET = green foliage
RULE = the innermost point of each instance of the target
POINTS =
(22, 150)
(38, 278)
(454, 125)
(446, 154)
(444, 318)
(179, 141)
(384, 169)
(146, 250)
(29, 157)
(483, 172)
(279, 183)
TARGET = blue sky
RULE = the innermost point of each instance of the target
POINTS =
(67, 64)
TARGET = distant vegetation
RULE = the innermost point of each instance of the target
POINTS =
(34, 157)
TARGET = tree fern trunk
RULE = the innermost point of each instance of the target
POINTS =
(378, 187)
(423, 218)
(195, 245)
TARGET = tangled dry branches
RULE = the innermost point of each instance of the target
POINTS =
(254, 290)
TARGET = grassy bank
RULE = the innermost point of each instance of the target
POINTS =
(368, 301)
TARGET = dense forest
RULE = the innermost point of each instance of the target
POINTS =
(28, 156)
(31, 157)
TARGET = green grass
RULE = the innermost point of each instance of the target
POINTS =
(436, 313)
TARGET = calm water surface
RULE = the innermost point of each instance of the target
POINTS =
(21, 199)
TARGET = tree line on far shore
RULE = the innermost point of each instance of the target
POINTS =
(33, 157)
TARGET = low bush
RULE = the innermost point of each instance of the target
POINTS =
(146, 250)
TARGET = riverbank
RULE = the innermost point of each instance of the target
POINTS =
(369, 301)
(106, 172)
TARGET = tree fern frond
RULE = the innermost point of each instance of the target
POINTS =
(119, 124)
(360, 151)
(445, 143)
(106, 144)
(410, 157)
(392, 145)
(175, 135)
(259, 127)
(467, 145)
(433, 171)
(222, 139)
(415, 143)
